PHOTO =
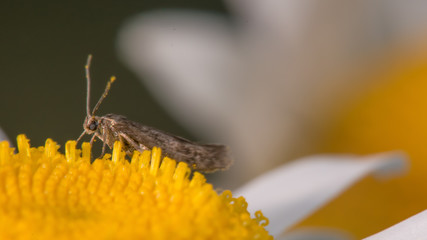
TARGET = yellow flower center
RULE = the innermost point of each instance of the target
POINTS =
(47, 195)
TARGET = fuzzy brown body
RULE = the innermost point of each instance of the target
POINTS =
(138, 137)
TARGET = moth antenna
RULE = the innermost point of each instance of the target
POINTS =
(107, 89)
(87, 66)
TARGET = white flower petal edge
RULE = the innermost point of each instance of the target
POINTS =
(316, 233)
(189, 57)
(411, 228)
(293, 191)
(3, 136)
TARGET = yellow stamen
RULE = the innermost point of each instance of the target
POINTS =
(50, 195)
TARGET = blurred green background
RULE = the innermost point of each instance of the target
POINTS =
(44, 46)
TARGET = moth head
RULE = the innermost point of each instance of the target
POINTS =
(91, 124)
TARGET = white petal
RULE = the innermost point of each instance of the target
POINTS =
(414, 227)
(289, 193)
(3, 136)
(187, 59)
(312, 233)
(282, 17)
(406, 20)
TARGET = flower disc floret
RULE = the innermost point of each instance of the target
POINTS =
(50, 195)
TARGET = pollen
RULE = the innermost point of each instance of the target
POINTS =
(45, 194)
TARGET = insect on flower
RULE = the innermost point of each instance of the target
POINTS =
(138, 137)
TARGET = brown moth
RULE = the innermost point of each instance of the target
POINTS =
(138, 137)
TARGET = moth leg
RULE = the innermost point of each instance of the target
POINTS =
(91, 143)
(104, 140)
(92, 139)
(138, 147)
(103, 147)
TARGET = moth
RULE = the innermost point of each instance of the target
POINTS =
(135, 136)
